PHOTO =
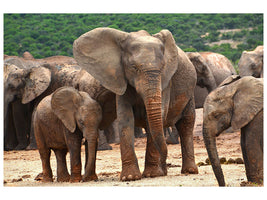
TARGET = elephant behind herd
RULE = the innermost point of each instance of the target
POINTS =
(141, 80)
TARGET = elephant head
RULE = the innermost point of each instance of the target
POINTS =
(251, 63)
(118, 59)
(75, 107)
(26, 84)
(205, 77)
(234, 103)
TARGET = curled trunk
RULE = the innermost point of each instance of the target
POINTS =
(210, 143)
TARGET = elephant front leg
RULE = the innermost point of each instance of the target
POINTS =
(73, 141)
(153, 167)
(185, 128)
(130, 169)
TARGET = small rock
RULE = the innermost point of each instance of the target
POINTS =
(200, 164)
(26, 176)
(239, 161)
(230, 161)
(16, 180)
(222, 160)
(208, 161)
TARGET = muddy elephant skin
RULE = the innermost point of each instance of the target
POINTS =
(237, 102)
(55, 122)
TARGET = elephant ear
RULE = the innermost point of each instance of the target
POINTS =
(65, 102)
(37, 82)
(99, 53)
(248, 101)
(170, 56)
(230, 80)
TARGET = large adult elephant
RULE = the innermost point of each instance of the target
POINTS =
(154, 82)
(251, 63)
(237, 102)
(212, 69)
(25, 87)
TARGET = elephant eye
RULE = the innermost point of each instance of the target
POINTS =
(81, 122)
(253, 66)
(216, 115)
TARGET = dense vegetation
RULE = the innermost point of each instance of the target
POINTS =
(45, 35)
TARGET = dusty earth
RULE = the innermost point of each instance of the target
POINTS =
(21, 167)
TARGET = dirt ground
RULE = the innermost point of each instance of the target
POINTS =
(21, 167)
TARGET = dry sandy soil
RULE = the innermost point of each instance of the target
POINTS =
(21, 167)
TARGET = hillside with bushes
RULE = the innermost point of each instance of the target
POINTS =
(46, 35)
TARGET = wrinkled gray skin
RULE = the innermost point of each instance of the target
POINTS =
(55, 122)
(251, 63)
(212, 69)
(153, 82)
(28, 86)
(237, 102)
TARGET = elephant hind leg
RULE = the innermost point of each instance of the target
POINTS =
(252, 149)
(185, 128)
(62, 171)
(47, 171)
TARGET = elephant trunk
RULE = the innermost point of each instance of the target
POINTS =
(210, 143)
(90, 153)
(153, 104)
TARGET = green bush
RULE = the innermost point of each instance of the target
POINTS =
(53, 34)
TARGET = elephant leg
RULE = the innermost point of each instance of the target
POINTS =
(62, 171)
(172, 136)
(252, 149)
(74, 142)
(32, 144)
(10, 138)
(47, 171)
(102, 143)
(130, 169)
(185, 128)
(21, 123)
(153, 166)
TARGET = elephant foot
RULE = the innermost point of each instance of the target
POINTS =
(130, 173)
(172, 140)
(21, 147)
(43, 178)
(75, 179)
(153, 171)
(103, 147)
(92, 177)
(31, 146)
(65, 178)
(9, 148)
(189, 169)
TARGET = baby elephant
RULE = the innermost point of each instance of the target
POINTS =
(55, 128)
(237, 102)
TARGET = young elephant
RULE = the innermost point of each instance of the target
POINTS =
(55, 128)
(237, 102)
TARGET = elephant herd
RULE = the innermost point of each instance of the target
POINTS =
(136, 80)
